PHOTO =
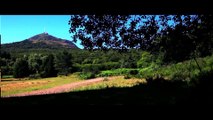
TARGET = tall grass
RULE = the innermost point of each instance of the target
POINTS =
(180, 71)
(184, 71)
(116, 82)
(120, 71)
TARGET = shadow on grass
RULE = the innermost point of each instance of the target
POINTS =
(158, 92)
(158, 96)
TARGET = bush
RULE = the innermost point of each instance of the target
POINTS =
(181, 75)
(7, 76)
(127, 76)
(120, 71)
(203, 78)
(87, 75)
(202, 87)
(95, 68)
(106, 73)
(34, 76)
(99, 67)
(76, 67)
(145, 61)
(111, 65)
(106, 79)
(147, 72)
(133, 72)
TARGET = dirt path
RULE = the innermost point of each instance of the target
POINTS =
(60, 89)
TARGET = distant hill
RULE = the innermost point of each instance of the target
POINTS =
(40, 41)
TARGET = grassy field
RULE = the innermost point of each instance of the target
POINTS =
(116, 82)
(157, 92)
(10, 86)
(120, 91)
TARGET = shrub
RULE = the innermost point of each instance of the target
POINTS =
(202, 87)
(180, 75)
(127, 76)
(105, 73)
(120, 71)
(99, 67)
(106, 79)
(203, 78)
(111, 65)
(145, 61)
(147, 72)
(95, 68)
(34, 76)
(87, 75)
(133, 72)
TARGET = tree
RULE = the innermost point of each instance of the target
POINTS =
(97, 31)
(189, 37)
(5, 55)
(178, 36)
(112, 56)
(114, 31)
(21, 68)
(35, 63)
(6, 63)
(48, 69)
(146, 60)
(202, 34)
(63, 63)
(129, 59)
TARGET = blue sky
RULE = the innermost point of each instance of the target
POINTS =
(14, 28)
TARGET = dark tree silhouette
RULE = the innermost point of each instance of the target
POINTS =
(97, 31)
(63, 63)
(21, 68)
(189, 38)
(178, 36)
(48, 67)
(114, 31)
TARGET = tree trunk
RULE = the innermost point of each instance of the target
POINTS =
(197, 64)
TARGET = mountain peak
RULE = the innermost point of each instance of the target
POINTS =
(45, 33)
(44, 40)
(42, 36)
(51, 40)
